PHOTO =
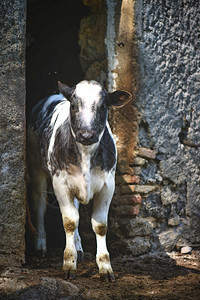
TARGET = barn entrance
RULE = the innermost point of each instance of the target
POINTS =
(74, 40)
(52, 54)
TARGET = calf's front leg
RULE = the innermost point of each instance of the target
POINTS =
(99, 224)
(70, 218)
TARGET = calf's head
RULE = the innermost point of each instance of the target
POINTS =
(89, 103)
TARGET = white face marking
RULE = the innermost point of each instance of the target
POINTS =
(89, 92)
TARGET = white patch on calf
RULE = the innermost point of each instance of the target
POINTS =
(60, 114)
(77, 236)
(50, 100)
(82, 184)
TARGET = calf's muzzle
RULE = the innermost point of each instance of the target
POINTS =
(86, 137)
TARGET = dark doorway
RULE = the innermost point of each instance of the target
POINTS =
(52, 54)
(52, 46)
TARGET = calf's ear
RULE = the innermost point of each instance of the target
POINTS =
(65, 90)
(119, 98)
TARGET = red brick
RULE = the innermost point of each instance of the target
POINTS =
(136, 199)
(121, 179)
(127, 200)
(131, 178)
(127, 189)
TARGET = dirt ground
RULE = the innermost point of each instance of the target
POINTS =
(151, 276)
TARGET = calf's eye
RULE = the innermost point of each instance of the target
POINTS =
(72, 107)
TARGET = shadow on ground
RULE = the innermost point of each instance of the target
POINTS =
(152, 276)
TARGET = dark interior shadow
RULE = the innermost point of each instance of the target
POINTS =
(52, 50)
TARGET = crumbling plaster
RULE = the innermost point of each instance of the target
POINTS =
(12, 128)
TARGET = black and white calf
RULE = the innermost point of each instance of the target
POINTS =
(69, 138)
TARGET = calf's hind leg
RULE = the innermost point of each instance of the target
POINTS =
(79, 249)
(39, 194)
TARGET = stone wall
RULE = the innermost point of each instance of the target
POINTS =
(168, 100)
(157, 200)
(12, 127)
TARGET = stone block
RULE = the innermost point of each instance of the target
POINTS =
(138, 245)
(150, 174)
(137, 171)
(143, 189)
(168, 196)
(139, 161)
(147, 153)
(127, 211)
(152, 221)
(186, 250)
(135, 227)
(169, 238)
(174, 220)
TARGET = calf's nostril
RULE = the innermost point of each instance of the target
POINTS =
(86, 137)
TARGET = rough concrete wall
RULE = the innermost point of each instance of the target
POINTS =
(113, 46)
(127, 230)
(168, 99)
(157, 200)
(12, 120)
(122, 67)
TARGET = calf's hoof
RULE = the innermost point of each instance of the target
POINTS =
(40, 245)
(107, 277)
(70, 274)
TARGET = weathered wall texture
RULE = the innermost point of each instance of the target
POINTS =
(91, 40)
(157, 199)
(156, 57)
(122, 67)
(168, 99)
(12, 120)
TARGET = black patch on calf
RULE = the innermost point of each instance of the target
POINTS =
(65, 151)
(105, 156)
(38, 121)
